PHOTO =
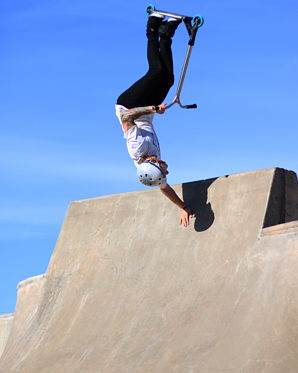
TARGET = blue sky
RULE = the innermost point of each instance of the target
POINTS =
(64, 63)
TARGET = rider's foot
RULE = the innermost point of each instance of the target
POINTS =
(157, 15)
(167, 29)
(154, 21)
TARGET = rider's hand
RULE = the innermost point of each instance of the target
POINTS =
(162, 108)
(186, 213)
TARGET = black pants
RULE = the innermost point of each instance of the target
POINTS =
(153, 87)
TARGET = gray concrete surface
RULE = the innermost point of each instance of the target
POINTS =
(5, 327)
(22, 325)
(128, 290)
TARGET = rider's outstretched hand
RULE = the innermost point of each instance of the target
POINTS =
(184, 217)
(162, 108)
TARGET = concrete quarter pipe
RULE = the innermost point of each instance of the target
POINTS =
(127, 290)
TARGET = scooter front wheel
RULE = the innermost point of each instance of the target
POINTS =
(197, 20)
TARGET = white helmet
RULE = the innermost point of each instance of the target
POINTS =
(150, 174)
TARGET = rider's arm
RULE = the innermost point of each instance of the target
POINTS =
(129, 116)
(186, 213)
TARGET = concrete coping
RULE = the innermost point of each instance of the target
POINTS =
(30, 280)
(7, 316)
(281, 229)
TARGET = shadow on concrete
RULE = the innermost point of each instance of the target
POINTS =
(195, 195)
(283, 200)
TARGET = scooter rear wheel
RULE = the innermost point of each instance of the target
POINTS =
(150, 8)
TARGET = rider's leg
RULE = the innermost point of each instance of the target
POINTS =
(153, 88)
(153, 55)
(166, 32)
(143, 92)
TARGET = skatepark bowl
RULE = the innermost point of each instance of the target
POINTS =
(128, 290)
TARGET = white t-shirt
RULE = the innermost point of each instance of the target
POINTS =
(141, 139)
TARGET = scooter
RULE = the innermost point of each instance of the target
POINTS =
(192, 25)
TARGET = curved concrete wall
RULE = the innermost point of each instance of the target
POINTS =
(21, 325)
(129, 291)
(5, 328)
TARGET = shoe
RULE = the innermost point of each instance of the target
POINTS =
(153, 14)
(154, 21)
(167, 29)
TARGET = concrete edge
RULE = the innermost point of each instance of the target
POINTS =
(30, 280)
(7, 316)
(280, 229)
(85, 200)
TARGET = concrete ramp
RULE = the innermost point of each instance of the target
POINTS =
(22, 322)
(5, 328)
(130, 291)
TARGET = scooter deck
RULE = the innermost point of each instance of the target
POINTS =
(167, 14)
(151, 8)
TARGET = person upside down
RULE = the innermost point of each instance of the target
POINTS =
(135, 109)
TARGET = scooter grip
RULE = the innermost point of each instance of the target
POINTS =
(194, 106)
